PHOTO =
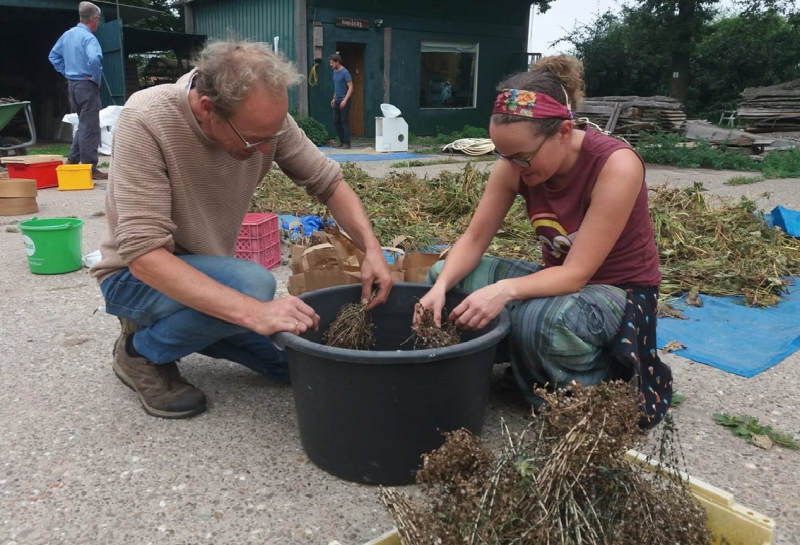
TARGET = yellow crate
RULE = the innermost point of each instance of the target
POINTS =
(731, 523)
(72, 177)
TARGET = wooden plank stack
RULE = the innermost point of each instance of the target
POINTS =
(639, 114)
(771, 109)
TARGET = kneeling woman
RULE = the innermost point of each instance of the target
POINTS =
(590, 313)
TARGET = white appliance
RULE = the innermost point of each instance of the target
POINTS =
(391, 131)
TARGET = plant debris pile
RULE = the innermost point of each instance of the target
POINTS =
(564, 480)
(706, 245)
(352, 328)
(426, 334)
(425, 210)
(719, 248)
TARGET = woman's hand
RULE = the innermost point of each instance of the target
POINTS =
(433, 301)
(481, 307)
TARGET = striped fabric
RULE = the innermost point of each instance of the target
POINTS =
(553, 340)
(171, 187)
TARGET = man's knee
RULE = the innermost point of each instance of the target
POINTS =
(253, 280)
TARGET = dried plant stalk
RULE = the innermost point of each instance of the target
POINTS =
(426, 334)
(564, 480)
(352, 328)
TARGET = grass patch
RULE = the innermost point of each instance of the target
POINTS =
(674, 150)
(420, 163)
(412, 163)
(440, 138)
(98, 214)
(50, 149)
(744, 180)
(748, 427)
(12, 229)
(104, 164)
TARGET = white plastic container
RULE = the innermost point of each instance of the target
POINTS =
(391, 134)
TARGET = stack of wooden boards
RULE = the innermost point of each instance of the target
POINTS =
(626, 116)
(771, 109)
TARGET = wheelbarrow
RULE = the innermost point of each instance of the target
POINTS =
(9, 145)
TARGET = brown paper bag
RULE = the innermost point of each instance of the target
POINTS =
(417, 265)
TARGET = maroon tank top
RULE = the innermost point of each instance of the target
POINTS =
(556, 217)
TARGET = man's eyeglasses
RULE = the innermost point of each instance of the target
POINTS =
(522, 162)
(247, 145)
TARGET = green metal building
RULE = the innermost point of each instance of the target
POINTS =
(438, 62)
(32, 27)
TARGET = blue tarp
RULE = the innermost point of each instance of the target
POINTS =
(725, 334)
(310, 224)
(786, 219)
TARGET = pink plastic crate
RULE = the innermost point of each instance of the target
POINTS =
(268, 257)
(259, 240)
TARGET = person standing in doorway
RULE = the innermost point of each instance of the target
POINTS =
(342, 91)
(77, 56)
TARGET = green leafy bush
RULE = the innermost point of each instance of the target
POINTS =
(315, 131)
(673, 149)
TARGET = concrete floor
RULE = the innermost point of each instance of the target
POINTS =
(80, 462)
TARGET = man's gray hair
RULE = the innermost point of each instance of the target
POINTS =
(227, 71)
(88, 11)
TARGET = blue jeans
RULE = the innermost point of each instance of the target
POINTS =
(170, 330)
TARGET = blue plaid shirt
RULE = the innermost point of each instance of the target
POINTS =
(78, 54)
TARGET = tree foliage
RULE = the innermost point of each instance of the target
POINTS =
(633, 52)
(169, 20)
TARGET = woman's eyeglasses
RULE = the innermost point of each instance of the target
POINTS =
(522, 162)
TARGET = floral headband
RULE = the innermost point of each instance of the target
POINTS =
(531, 104)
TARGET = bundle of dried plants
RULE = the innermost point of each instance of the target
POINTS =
(426, 334)
(352, 328)
(564, 480)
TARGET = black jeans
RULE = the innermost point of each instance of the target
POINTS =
(341, 120)
(84, 97)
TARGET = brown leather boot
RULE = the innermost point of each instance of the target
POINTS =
(161, 389)
(127, 328)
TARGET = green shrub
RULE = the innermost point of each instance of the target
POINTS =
(673, 149)
(315, 131)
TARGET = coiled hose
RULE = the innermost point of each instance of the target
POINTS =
(470, 146)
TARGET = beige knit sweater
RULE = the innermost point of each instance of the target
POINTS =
(171, 187)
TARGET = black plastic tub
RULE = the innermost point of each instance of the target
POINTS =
(368, 416)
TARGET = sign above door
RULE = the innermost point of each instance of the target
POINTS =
(352, 23)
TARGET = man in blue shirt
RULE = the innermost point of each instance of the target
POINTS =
(342, 91)
(77, 56)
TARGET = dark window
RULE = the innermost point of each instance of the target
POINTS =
(449, 75)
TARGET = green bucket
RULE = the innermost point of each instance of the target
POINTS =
(53, 245)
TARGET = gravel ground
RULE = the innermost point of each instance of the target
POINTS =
(80, 462)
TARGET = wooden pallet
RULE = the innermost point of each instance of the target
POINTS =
(31, 159)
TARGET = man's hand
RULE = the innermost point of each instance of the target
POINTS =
(333, 103)
(341, 104)
(375, 274)
(481, 307)
(285, 314)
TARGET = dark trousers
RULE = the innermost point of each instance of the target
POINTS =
(341, 120)
(84, 98)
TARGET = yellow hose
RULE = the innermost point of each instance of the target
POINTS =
(313, 79)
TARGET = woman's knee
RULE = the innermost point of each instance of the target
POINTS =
(433, 272)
